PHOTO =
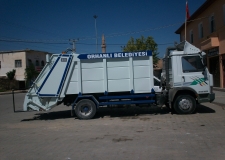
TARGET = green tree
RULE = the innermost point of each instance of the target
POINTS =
(143, 44)
(30, 74)
(11, 74)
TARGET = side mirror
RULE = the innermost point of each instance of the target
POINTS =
(204, 59)
(204, 71)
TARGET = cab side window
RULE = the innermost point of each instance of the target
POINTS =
(192, 64)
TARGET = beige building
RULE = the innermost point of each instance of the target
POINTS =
(206, 30)
(19, 60)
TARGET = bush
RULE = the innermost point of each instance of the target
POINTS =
(2, 90)
(11, 74)
(30, 74)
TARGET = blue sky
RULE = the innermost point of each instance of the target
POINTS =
(54, 22)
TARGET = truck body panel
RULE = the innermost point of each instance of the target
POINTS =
(73, 74)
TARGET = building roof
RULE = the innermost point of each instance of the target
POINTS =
(25, 50)
(202, 8)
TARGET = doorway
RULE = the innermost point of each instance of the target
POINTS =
(214, 69)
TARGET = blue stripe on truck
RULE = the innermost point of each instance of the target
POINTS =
(64, 74)
(128, 96)
(48, 75)
(126, 102)
(57, 60)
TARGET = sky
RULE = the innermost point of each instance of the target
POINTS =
(49, 25)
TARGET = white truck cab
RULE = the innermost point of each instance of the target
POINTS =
(186, 78)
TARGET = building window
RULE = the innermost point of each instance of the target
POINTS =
(224, 14)
(42, 63)
(191, 36)
(212, 24)
(18, 63)
(37, 63)
(200, 30)
(29, 62)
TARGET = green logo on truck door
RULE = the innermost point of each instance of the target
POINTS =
(200, 81)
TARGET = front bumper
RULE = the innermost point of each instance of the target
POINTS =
(206, 97)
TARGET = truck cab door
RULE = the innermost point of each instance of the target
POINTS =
(192, 74)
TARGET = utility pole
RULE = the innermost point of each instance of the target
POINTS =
(122, 48)
(74, 42)
(95, 17)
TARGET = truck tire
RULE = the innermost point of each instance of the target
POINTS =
(85, 109)
(184, 104)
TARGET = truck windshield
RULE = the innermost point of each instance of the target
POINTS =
(192, 64)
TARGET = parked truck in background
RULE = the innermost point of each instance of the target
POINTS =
(89, 81)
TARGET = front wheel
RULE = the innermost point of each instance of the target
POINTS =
(184, 104)
(85, 109)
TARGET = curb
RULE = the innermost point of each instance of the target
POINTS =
(218, 89)
(10, 92)
(219, 104)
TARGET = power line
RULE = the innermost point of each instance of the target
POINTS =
(145, 30)
(33, 45)
(74, 42)
(63, 41)
(16, 25)
(45, 42)
(33, 41)
(88, 38)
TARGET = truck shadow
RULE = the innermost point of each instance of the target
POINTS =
(50, 116)
(131, 112)
(204, 109)
(138, 111)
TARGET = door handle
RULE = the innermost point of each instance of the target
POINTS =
(183, 78)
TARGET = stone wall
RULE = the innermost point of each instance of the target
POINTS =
(6, 84)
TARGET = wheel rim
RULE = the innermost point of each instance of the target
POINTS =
(185, 104)
(85, 110)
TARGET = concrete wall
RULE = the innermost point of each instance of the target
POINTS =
(6, 84)
(36, 56)
(8, 62)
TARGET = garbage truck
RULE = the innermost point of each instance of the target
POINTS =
(87, 82)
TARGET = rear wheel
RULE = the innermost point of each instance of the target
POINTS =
(85, 109)
(184, 104)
